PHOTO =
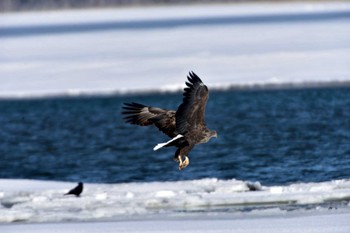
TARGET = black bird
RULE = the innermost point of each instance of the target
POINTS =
(76, 191)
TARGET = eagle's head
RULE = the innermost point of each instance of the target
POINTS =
(208, 135)
(213, 133)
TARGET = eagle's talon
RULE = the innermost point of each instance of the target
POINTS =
(183, 163)
(186, 162)
(181, 166)
(179, 160)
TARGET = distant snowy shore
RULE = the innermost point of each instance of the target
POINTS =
(132, 50)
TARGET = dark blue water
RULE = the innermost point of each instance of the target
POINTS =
(275, 137)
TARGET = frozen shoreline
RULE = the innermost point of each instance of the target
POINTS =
(43, 201)
(325, 223)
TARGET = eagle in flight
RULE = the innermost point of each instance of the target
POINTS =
(186, 127)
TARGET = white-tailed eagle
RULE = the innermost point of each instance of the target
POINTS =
(186, 127)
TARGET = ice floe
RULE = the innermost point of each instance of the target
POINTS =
(43, 201)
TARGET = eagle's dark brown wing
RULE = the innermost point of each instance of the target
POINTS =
(190, 114)
(139, 114)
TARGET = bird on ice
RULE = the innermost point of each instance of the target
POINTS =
(76, 191)
(186, 127)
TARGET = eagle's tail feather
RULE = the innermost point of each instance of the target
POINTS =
(160, 145)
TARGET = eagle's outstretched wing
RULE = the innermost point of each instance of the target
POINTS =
(143, 115)
(190, 114)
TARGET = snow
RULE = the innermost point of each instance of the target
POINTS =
(206, 205)
(43, 201)
(133, 59)
(336, 223)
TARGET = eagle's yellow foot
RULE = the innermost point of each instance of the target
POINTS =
(183, 163)
(179, 160)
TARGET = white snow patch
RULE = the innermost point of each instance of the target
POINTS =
(165, 193)
(43, 201)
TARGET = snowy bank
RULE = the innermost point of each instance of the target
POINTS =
(43, 201)
(329, 223)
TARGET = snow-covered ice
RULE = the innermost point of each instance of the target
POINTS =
(43, 201)
(159, 58)
(329, 223)
(206, 205)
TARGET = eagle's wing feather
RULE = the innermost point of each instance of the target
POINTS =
(139, 114)
(190, 114)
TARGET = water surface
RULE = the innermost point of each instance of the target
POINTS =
(274, 137)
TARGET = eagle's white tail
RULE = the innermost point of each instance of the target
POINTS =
(160, 145)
